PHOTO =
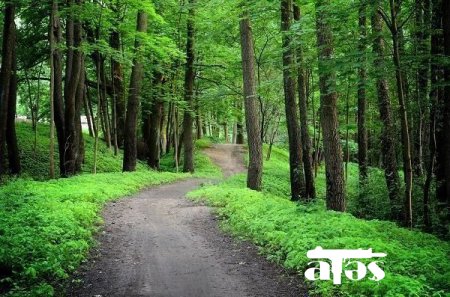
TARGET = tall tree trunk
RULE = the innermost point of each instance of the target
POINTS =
(188, 121)
(444, 185)
(155, 135)
(79, 141)
(362, 102)
(155, 119)
(198, 116)
(6, 76)
(422, 40)
(254, 177)
(328, 105)
(437, 149)
(388, 150)
(118, 90)
(437, 97)
(104, 105)
(295, 147)
(130, 144)
(310, 189)
(73, 74)
(406, 141)
(52, 41)
(11, 136)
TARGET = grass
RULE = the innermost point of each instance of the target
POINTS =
(417, 263)
(47, 227)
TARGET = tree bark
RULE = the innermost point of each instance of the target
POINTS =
(406, 141)
(8, 93)
(295, 148)
(444, 185)
(388, 149)
(118, 90)
(335, 198)
(310, 189)
(155, 119)
(130, 142)
(11, 136)
(255, 167)
(52, 42)
(189, 81)
(74, 63)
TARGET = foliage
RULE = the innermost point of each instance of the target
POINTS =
(47, 227)
(35, 160)
(286, 231)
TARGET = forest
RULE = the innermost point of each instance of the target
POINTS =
(340, 111)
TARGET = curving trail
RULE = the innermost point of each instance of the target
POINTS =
(157, 243)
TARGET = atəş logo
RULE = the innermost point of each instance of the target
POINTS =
(340, 257)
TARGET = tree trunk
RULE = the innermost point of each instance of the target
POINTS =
(52, 42)
(155, 135)
(362, 102)
(6, 76)
(422, 51)
(155, 119)
(74, 63)
(137, 74)
(87, 112)
(444, 185)
(188, 121)
(328, 104)
(118, 90)
(388, 150)
(295, 148)
(310, 189)
(255, 167)
(11, 136)
(406, 142)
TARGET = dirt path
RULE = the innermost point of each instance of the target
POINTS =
(157, 243)
(229, 157)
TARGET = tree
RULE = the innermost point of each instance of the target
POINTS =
(295, 147)
(444, 123)
(401, 94)
(254, 177)
(310, 190)
(8, 93)
(328, 106)
(384, 104)
(154, 122)
(189, 82)
(130, 144)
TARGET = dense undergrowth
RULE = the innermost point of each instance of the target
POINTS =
(34, 154)
(417, 263)
(47, 227)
